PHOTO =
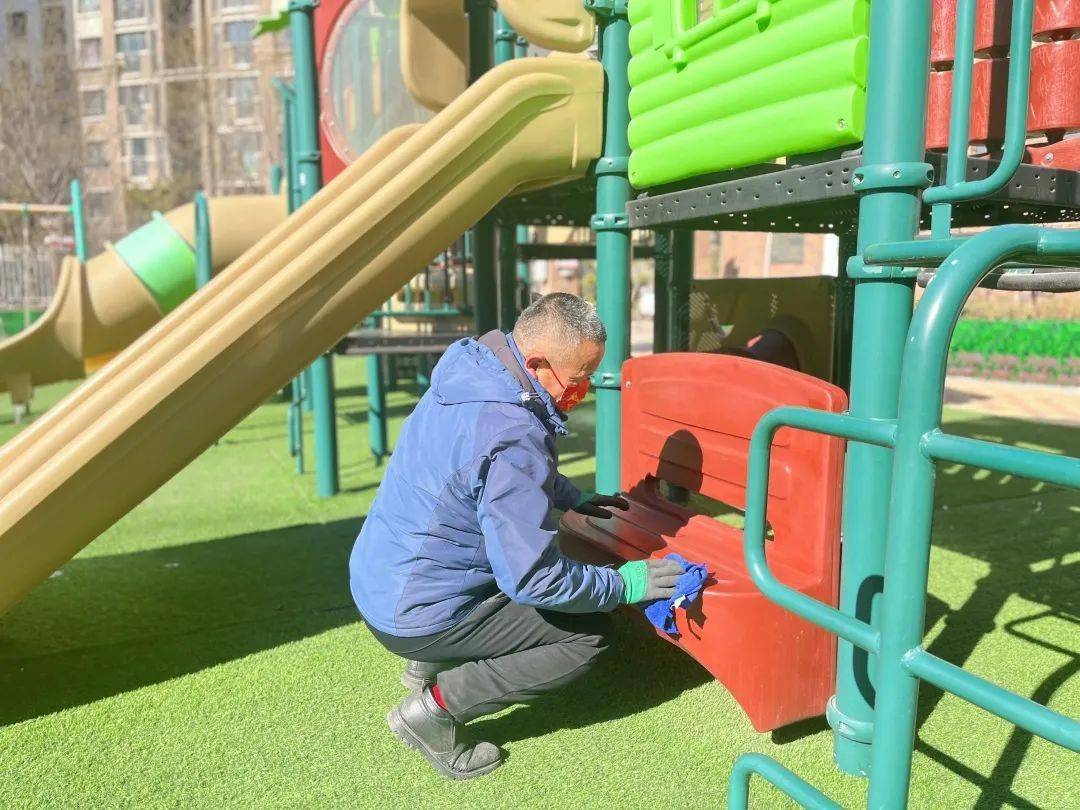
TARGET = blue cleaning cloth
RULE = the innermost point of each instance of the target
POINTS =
(687, 588)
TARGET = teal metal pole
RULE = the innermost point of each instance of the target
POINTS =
(682, 278)
(376, 393)
(296, 423)
(78, 220)
(305, 142)
(276, 177)
(843, 314)
(481, 57)
(423, 374)
(505, 38)
(888, 212)
(612, 239)
(662, 291)
(524, 282)
(904, 601)
(508, 279)
(521, 50)
(203, 267)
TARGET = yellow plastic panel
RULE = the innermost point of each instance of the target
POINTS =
(561, 25)
(434, 50)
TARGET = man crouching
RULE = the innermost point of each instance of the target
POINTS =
(457, 568)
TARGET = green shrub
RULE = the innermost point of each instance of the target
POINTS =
(1055, 339)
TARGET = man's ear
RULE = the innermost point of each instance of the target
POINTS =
(533, 363)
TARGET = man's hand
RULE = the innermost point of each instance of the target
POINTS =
(592, 504)
(646, 580)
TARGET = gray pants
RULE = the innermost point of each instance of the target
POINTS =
(505, 653)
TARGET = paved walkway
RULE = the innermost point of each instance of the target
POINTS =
(1054, 404)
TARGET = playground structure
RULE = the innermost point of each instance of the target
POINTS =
(709, 106)
(105, 302)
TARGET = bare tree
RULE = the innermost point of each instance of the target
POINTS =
(39, 135)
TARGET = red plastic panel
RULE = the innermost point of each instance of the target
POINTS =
(992, 23)
(1056, 19)
(989, 91)
(1055, 87)
(687, 419)
(326, 15)
(1063, 154)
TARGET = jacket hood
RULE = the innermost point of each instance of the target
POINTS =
(470, 372)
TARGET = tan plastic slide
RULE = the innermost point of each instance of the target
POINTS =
(196, 374)
(101, 307)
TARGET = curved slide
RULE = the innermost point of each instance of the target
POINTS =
(172, 393)
(102, 306)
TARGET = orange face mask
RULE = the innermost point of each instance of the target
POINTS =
(571, 395)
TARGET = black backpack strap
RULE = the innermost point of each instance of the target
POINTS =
(496, 341)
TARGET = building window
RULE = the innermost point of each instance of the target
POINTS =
(138, 157)
(88, 6)
(135, 102)
(17, 25)
(238, 37)
(243, 95)
(54, 26)
(243, 155)
(97, 155)
(787, 248)
(237, 3)
(130, 9)
(131, 48)
(90, 52)
(93, 102)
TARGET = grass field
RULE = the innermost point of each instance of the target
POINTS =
(204, 652)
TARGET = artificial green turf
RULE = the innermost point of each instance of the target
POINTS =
(204, 652)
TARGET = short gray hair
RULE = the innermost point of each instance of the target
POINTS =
(567, 319)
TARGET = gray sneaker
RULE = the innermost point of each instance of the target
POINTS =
(420, 723)
(419, 674)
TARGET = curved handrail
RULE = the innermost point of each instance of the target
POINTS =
(779, 777)
(956, 189)
(844, 426)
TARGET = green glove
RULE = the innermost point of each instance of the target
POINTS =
(635, 577)
(646, 580)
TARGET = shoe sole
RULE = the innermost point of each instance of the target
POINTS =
(402, 731)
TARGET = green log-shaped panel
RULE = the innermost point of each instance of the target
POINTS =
(826, 120)
(756, 81)
(710, 36)
(841, 64)
(808, 32)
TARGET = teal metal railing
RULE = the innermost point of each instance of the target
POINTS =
(913, 441)
(956, 188)
(919, 443)
(777, 775)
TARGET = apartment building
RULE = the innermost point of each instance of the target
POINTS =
(174, 95)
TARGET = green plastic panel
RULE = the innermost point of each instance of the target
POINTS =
(755, 81)
(162, 260)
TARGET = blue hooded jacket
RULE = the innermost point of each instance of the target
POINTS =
(465, 506)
